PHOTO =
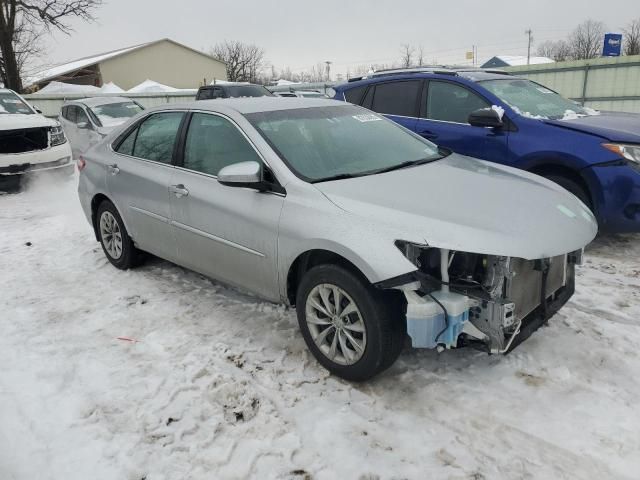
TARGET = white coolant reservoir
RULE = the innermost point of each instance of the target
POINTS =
(426, 320)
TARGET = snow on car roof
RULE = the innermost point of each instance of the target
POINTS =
(95, 101)
(255, 104)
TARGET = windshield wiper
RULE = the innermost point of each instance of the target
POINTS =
(340, 176)
(410, 163)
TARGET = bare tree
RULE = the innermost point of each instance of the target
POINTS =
(406, 59)
(27, 47)
(21, 22)
(244, 61)
(586, 40)
(420, 56)
(557, 50)
(631, 37)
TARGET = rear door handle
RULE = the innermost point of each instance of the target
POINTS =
(113, 169)
(179, 190)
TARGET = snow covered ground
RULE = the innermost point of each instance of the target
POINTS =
(219, 385)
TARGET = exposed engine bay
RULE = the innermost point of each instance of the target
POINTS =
(485, 301)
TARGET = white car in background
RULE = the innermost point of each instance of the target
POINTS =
(89, 120)
(28, 140)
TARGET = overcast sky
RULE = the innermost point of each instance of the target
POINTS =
(301, 33)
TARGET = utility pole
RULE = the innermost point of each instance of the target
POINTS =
(328, 70)
(529, 32)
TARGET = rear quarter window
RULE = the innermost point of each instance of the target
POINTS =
(354, 95)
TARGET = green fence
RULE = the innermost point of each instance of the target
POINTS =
(601, 83)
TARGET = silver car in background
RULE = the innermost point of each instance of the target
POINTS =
(369, 230)
(89, 120)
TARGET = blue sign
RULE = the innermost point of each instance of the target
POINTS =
(612, 45)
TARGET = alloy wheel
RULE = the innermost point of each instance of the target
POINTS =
(336, 324)
(111, 235)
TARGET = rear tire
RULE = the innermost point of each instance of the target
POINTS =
(116, 242)
(572, 187)
(356, 345)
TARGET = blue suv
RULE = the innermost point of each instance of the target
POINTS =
(513, 121)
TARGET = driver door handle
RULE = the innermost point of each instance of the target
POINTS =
(179, 190)
(113, 169)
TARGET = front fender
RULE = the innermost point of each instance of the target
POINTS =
(320, 225)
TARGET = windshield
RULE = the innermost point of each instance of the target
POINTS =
(248, 91)
(321, 143)
(11, 103)
(535, 101)
(113, 114)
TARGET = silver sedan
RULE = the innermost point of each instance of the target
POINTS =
(89, 120)
(373, 233)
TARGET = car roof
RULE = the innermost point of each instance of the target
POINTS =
(253, 104)
(231, 84)
(95, 101)
(468, 73)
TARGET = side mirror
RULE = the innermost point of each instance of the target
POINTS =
(83, 125)
(485, 117)
(243, 174)
(37, 110)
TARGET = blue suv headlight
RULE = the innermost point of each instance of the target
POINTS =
(56, 136)
(629, 152)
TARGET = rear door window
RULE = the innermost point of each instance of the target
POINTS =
(397, 98)
(449, 102)
(126, 146)
(205, 94)
(156, 137)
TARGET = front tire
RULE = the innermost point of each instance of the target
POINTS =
(354, 330)
(116, 242)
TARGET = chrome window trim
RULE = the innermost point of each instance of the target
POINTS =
(421, 118)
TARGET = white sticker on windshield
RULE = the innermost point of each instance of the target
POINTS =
(367, 117)
(543, 90)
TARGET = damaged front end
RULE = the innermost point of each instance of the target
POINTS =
(488, 302)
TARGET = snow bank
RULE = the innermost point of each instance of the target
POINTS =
(111, 88)
(150, 86)
(67, 88)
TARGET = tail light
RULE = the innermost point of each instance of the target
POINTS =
(81, 163)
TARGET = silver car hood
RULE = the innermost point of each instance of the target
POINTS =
(469, 205)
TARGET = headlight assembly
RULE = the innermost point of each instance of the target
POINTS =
(56, 136)
(411, 251)
(629, 152)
